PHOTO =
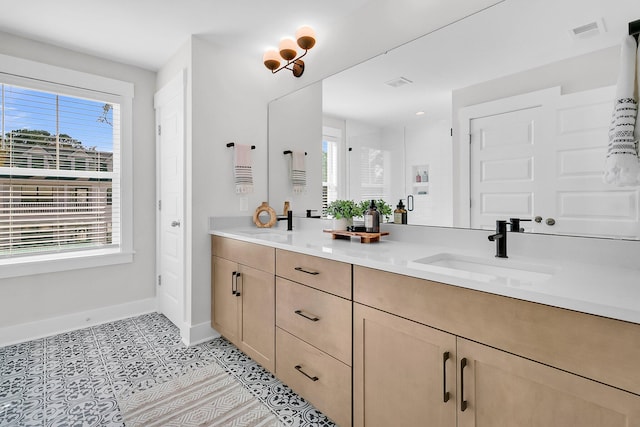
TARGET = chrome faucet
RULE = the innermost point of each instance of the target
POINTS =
(500, 238)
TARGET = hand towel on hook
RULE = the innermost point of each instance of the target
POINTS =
(242, 169)
(622, 163)
(298, 172)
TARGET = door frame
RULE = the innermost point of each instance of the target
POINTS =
(175, 87)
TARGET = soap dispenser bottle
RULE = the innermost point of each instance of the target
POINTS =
(400, 214)
(372, 219)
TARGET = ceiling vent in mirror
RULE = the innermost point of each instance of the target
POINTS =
(397, 82)
(591, 29)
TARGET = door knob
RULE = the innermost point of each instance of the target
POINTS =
(550, 221)
(175, 223)
(538, 219)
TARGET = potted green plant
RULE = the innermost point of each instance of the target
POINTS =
(342, 212)
(383, 208)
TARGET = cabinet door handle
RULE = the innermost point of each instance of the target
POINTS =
(463, 403)
(313, 273)
(233, 282)
(445, 393)
(299, 369)
(237, 291)
(313, 318)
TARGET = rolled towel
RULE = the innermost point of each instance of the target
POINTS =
(622, 165)
(242, 169)
(298, 172)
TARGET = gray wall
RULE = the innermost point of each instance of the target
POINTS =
(38, 297)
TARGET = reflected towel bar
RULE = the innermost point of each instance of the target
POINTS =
(634, 28)
(232, 144)
(291, 152)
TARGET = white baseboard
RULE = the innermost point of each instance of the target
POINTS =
(43, 328)
(197, 334)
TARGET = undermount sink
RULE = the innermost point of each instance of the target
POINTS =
(499, 270)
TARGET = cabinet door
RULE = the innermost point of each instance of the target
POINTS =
(257, 289)
(225, 303)
(503, 390)
(403, 375)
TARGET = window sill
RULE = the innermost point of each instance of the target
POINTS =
(51, 263)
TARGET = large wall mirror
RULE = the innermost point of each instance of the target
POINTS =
(504, 114)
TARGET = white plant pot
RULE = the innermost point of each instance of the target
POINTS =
(339, 224)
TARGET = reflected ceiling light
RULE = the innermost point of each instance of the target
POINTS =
(420, 113)
(287, 50)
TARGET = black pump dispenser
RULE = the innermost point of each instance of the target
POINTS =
(372, 219)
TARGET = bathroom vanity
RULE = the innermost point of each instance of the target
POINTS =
(426, 335)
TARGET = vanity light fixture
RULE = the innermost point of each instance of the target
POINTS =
(305, 39)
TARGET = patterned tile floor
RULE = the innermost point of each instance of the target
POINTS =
(72, 379)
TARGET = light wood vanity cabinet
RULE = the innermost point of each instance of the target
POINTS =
(243, 297)
(404, 373)
(533, 371)
(424, 353)
(313, 331)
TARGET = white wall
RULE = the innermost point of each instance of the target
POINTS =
(295, 123)
(48, 296)
(225, 103)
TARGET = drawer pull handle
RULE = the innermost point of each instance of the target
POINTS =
(299, 369)
(300, 313)
(445, 393)
(233, 282)
(463, 403)
(313, 273)
(237, 292)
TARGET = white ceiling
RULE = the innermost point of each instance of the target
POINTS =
(146, 33)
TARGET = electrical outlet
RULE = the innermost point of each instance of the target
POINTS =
(244, 203)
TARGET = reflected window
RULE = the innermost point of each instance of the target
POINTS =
(331, 160)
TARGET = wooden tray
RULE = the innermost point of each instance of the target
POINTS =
(364, 237)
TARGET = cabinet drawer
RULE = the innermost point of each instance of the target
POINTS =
(320, 273)
(321, 319)
(316, 376)
(251, 254)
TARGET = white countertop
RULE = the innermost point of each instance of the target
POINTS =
(609, 291)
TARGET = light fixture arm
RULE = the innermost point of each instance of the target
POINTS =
(296, 65)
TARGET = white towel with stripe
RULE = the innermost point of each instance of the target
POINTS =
(622, 164)
(242, 169)
(298, 172)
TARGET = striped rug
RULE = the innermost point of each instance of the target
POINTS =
(207, 396)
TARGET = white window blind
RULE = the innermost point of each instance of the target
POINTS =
(374, 176)
(59, 172)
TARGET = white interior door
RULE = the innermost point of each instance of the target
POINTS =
(505, 149)
(542, 155)
(169, 105)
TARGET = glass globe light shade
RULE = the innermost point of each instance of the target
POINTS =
(306, 37)
(271, 59)
(287, 48)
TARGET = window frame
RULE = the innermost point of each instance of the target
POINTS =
(40, 76)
